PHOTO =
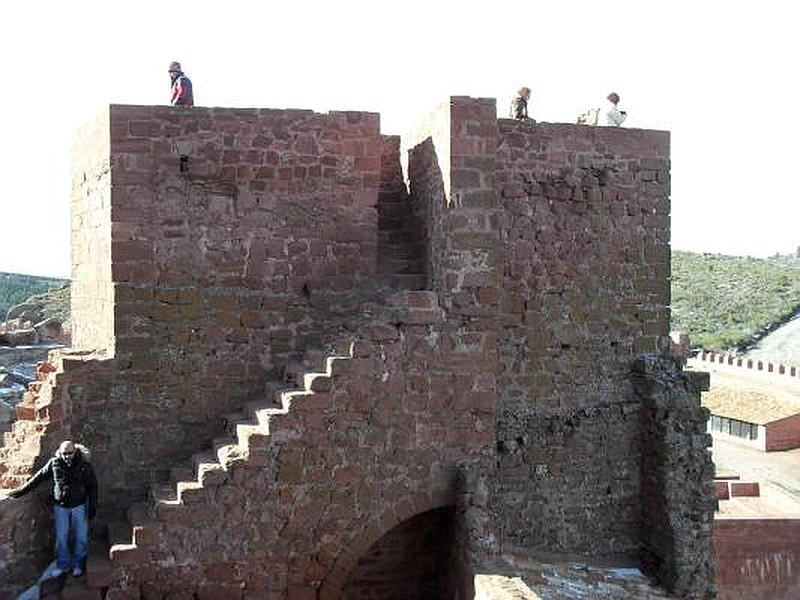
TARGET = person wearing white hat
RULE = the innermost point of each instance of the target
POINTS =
(181, 86)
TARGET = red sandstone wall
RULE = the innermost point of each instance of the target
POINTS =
(783, 434)
(226, 267)
(408, 563)
(378, 443)
(549, 257)
(585, 287)
(586, 240)
(425, 154)
(757, 558)
(92, 292)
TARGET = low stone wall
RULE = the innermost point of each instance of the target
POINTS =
(757, 558)
(749, 364)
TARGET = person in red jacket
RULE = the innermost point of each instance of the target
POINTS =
(181, 86)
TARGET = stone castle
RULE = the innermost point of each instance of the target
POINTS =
(315, 362)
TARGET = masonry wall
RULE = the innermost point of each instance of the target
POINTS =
(425, 154)
(408, 563)
(91, 291)
(377, 443)
(243, 248)
(239, 239)
(678, 496)
(585, 287)
(783, 434)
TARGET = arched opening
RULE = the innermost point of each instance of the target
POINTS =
(410, 562)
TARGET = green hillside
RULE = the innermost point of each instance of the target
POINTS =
(16, 288)
(723, 301)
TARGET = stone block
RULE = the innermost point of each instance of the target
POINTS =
(127, 593)
(722, 490)
(742, 488)
(128, 555)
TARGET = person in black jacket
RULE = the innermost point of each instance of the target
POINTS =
(75, 498)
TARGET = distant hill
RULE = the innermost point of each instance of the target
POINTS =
(16, 288)
(726, 301)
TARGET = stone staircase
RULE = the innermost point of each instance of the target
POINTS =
(22, 444)
(245, 439)
(402, 243)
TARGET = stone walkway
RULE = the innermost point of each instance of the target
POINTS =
(519, 578)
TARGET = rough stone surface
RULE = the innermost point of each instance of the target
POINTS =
(678, 495)
(275, 339)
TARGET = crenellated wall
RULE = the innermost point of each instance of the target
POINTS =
(743, 362)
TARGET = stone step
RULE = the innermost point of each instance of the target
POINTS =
(338, 365)
(416, 250)
(221, 442)
(182, 473)
(207, 457)
(188, 491)
(396, 222)
(251, 409)
(119, 532)
(232, 420)
(212, 474)
(245, 429)
(98, 567)
(224, 447)
(314, 360)
(246, 433)
(394, 209)
(164, 493)
(404, 236)
(77, 589)
(406, 282)
(317, 382)
(140, 512)
(401, 266)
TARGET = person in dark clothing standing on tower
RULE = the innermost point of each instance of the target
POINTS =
(75, 498)
(181, 86)
(519, 105)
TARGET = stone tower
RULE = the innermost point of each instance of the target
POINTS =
(298, 362)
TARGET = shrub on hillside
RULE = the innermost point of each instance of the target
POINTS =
(723, 301)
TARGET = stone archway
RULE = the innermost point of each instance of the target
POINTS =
(409, 562)
(441, 496)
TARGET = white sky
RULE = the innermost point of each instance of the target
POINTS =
(722, 76)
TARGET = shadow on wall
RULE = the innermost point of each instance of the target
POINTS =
(409, 562)
(428, 202)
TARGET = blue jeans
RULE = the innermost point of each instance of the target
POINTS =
(73, 519)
